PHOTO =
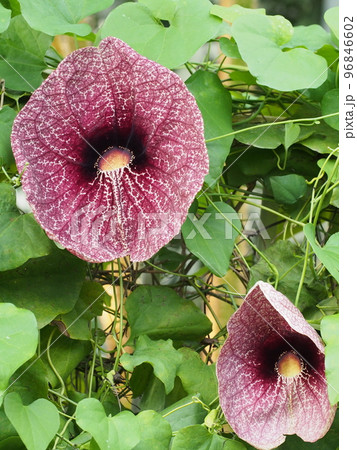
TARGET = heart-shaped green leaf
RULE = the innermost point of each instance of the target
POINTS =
(61, 17)
(36, 423)
(260, 39)
(47, 286)
(160, 354)
(23, 50)
(154, 28)
(207, 89)
(211, 238)
(288, 189)
(18, 340)
(160, 313)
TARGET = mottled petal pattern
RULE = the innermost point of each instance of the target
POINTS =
(260, 404)
(98, 98)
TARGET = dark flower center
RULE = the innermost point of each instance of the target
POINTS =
(106, 151)
(115, 158)
(287, 354)
(289, 365)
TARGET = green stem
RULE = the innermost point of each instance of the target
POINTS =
(270, 124)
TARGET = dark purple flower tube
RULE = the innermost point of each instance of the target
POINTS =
(113, 150)
(271, 372)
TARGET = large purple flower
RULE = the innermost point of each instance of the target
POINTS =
(113, 150)
(271, 372)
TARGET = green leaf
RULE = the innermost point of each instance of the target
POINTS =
(232, 12)
(184, 413)
(313, 37)
(328, 254)
(9, 439)
(36, 423)
(229, 47)
(292, 134)
(121, 432)
(160, 313)
(22, 52)
(259, 39)
(61, 17)
(211, 238)
(65, 354)
(21, 237)
(160, 354)
(274, 135)
(89, 304)
(332, 19)
(199, 438)
(197, 377)
(30, 380)
(18, 340)
(288, 260)
(7, 116)
(208, 90)
(140, 26)
(155, 431)
(324, 139)
(330, 334)
(47, 286)
(288, 189)
(329, 105)
(5, 16)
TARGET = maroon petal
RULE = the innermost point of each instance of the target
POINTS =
(260, 403)
(98, 99)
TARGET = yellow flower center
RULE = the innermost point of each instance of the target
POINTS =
(114, 158)
(289, 365)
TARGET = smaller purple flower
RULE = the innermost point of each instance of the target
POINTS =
(271, 372)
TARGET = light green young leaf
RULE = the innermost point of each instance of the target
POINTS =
(330, 334)
(232, 12)
(5, 16)
(61, 17)
(23, 50)
(328, 254)
(140, 25)
(208, 90)
(332, 20)
(121, 432)
(211, 238)
(259, 39)
(36, 423)
(18, 340)
(160, 354)
(197, 377)
(313, 37)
